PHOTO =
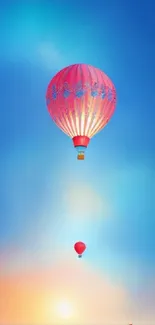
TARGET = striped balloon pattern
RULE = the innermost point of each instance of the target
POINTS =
(81, 100)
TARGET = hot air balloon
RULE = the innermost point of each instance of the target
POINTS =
(81, 100)
(79, 248)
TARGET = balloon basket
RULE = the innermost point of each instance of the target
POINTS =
(80, 156)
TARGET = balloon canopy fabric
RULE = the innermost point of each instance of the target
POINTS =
(79, 248)
(81, 100)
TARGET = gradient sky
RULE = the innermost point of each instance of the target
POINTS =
(49, 200)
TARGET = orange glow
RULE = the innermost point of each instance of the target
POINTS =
(68, 293)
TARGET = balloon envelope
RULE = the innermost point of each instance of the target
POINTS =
(79, 247)
(81, 100)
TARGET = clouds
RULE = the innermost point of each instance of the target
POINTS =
(49, 56)
(83, 201)
(95, 299)
(24, 25)
(34, 283)
(33, 296)
(130, 189)
(144, 301)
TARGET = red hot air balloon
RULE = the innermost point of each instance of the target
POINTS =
(81, 100)
(79, 248)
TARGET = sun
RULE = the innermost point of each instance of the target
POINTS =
(60, 310)
(64, 309)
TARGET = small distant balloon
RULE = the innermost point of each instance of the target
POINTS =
(79, 247)
(81, 100)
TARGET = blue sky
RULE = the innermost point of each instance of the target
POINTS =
(38, 164)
